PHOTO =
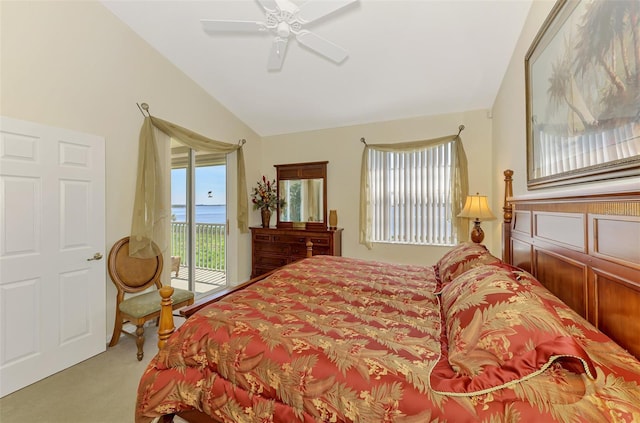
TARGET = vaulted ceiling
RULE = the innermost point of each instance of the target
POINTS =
(406, 58)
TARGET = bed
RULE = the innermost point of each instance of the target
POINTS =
(472, 338)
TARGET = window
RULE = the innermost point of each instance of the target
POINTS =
(411, 195)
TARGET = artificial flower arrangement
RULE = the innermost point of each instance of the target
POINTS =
(265, 196)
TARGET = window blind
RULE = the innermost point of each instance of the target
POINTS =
(411, 195)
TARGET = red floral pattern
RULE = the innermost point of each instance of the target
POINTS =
(461, 258)
(501, 328)
(332, 339)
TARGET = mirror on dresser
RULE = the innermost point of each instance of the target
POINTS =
(301, 224)
(303, 186)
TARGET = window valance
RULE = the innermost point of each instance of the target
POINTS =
(458, 174)
(151, 210)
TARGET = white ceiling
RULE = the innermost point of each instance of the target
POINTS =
(407, 58)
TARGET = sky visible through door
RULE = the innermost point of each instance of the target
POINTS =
(198, 252)
(210, 194)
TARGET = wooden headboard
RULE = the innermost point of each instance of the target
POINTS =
(584, 249)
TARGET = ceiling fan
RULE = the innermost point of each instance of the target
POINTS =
(285, 18)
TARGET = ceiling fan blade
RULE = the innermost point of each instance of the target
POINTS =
(210, 25)
(322, 46)
(278, 50)
(269, 5)
(316, 9)
(286, 6)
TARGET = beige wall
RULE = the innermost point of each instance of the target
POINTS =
(509, 125)
(509, 121)
(74, 65)
(343, 149)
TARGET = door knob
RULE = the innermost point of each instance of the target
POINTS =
(96, 256)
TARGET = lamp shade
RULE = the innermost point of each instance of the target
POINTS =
(477, 207)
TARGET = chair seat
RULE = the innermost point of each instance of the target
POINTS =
(146, 304)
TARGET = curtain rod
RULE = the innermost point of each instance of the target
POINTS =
(144, 107)
(460, 129)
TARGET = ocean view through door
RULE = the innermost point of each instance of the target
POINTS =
(198, 221)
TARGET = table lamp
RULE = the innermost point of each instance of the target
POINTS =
(476, 207)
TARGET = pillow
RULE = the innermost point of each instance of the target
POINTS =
(498, 331)
(461, 258)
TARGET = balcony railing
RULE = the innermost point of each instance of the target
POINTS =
(210, 248)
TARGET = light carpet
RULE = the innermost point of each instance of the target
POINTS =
(100, 389)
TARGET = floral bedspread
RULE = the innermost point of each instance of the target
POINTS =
(332, 339)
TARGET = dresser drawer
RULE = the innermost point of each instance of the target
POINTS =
(258, 237)
(297, 252)
(301, 240)
(322, 242)
(261, 270)
(290, 239)
(270, 261)
(272, 248)
(300, 251)
(275, 247)
(322, 251)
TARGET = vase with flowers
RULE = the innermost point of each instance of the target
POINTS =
(265, 198)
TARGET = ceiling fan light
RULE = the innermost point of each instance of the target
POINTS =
(283, 30)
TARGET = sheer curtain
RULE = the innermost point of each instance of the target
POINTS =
(150, 210)
(458, 176)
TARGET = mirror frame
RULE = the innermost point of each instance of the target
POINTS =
(309, 170)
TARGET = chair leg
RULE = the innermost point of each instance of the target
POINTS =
(140, 340)
(117, 329)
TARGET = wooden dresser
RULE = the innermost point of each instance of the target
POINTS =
(274, 247)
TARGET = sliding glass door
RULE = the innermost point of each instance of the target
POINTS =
(198, 221)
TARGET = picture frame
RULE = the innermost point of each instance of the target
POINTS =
(582, 95)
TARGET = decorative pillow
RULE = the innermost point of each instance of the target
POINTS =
(461, 258)
(500, 331)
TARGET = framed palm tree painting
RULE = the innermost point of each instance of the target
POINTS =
(582, 76)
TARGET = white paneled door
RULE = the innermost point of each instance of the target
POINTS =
(52, 273)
